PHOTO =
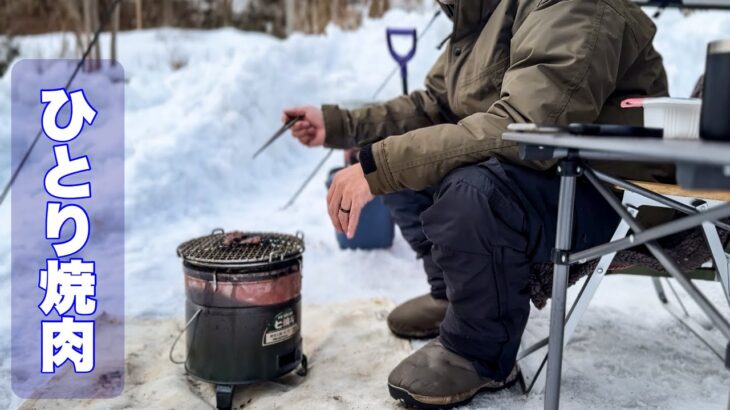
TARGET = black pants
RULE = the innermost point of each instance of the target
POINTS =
(478, 233)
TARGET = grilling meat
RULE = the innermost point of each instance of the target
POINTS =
(241, 238)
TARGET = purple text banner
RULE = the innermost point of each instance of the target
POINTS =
(67, 230)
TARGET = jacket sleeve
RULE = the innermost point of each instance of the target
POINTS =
(422, 108)
(564, 64)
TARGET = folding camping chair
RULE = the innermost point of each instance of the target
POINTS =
(637, 195)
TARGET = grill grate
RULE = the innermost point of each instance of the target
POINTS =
(211, 251)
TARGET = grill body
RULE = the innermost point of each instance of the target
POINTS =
(223, 350)
(243, 305)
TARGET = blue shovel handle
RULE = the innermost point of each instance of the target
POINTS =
(402, 59)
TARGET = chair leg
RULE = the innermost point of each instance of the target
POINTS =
(705, 335)
(721, 261)
(577, 310)
(719, 257)
(659, 290)
(633, 202)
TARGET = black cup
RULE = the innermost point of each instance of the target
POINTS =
(715, 121)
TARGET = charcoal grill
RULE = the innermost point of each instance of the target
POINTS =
(243, 309)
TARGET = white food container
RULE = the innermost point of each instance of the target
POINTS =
(678, 117)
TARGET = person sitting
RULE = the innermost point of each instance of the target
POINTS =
(473, 211)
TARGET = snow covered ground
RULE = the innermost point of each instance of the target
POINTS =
(200, 102)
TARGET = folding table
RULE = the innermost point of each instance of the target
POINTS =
(700, 165)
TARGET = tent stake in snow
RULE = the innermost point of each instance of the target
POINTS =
(402, 59)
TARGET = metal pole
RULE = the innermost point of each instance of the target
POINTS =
(560, 283)
(307, 181)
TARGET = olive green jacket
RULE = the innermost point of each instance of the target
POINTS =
(540, 61)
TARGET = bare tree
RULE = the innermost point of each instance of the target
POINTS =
(167, 13)
(226, 12)
(115, 29)
(87, 30)
(96, 19)
(378, 8)
(74, 18)
(138, 13)
(277, 17)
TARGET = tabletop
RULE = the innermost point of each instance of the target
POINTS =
(701, 164)
(700, 151)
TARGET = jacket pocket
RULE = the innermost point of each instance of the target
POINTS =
(483, 74)
(480, 91)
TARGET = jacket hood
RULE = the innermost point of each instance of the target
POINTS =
(469, 16)
(448, 10)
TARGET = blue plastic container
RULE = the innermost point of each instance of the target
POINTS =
(375, 229)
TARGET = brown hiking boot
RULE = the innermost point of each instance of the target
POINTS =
(436, 378)
(418, 318)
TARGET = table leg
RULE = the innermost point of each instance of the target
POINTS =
(560, 284)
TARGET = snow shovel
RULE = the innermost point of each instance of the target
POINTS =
(402, 59)
(420, 36)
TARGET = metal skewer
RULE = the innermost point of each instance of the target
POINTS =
(278, 134)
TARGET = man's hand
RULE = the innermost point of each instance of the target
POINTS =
(348, 194)
(310, 129)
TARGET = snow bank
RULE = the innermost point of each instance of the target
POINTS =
(199, 103)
